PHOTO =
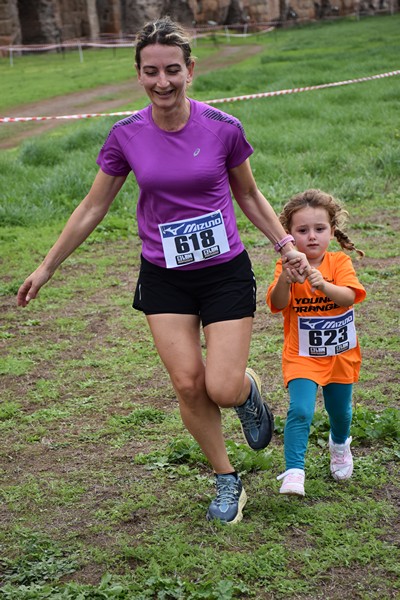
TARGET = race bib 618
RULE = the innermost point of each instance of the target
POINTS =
(193, 240)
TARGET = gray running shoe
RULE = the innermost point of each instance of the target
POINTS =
(255, 416)
(230, 500)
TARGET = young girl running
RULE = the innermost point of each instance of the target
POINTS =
(320, 342)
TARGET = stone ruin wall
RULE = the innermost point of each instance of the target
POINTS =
(54, 21)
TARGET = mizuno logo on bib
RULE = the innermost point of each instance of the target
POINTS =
(327, 336)
(194, 240)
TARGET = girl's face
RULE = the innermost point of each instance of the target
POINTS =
(312, 232)
(164, 75)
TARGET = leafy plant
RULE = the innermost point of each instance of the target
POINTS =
(8, 410)
(155, 588)
(367, 425)
(176, 588)
(41, 560)
(137, 417)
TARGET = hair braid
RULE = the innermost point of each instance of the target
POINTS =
(346, 242)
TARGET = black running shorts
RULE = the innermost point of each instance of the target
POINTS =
(217, 293)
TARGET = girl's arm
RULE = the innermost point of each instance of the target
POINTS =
(259, 211)
(280, 295)
(340, 294)
(80, 225)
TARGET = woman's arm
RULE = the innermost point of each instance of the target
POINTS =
(80, 225)
(259, 211)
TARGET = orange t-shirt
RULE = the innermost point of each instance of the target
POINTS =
(309, 327)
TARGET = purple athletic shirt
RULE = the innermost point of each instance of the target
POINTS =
(185, 211)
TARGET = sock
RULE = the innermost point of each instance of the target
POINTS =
(230, 473)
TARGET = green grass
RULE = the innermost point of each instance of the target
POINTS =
(103, 492)
(310, 55)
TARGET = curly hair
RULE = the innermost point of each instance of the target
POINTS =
(338, 215)
(163, 31)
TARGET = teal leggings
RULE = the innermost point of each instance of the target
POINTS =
(303, 393)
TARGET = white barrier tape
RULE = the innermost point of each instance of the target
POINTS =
(216, 101)
(81, 116)
(304, 89)
(240, 35)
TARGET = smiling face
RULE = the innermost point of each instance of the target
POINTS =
(164, 75)
(312, 232)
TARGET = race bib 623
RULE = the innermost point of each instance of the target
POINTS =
(327, 336)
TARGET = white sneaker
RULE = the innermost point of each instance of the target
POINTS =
(341, 459)
(293, 482)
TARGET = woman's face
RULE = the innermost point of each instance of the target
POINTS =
(164, 74)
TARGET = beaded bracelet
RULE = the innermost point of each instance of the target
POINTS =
(279, 245)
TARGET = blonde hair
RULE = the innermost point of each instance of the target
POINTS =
(163, 31)
(317, 199)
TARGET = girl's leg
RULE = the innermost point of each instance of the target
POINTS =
(298, 422)
(338, 404)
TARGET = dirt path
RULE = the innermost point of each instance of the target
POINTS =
(107, 98)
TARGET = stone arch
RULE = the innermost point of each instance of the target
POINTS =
(31, 31)
(180, 11)
(235, 13)
(40, 21)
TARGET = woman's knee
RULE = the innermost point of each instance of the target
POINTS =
(189, 386)
(225, 393)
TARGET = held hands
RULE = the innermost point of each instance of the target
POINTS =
(295, 272)
(296, 266)
(32, 284)
(316, 280)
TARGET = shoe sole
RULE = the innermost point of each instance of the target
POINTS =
(337, 477)
(255, 378)
(293, 493)
(241, 505)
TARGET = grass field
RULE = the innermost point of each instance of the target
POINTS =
(103, 492)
